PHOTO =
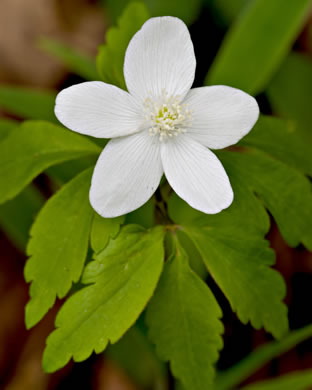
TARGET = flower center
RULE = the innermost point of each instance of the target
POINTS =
(167, 116)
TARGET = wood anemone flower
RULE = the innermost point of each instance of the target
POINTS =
(160, 126)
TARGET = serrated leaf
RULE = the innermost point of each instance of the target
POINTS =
(73, 59)
(240, 264)
(246, 211)
(254, 220)
(32, 148)
(290, 91)
(110, 58)
(283, 140)
(300, 380)
(58, 246)
(231, 245)
(235, 375)
(17, 215)
(28, 103)
(184, 323)
(103, 229)
(6, 125)
(257, 43)
(123, 278)
(286, 192)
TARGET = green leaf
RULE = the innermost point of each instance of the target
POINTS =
(123, 278)
(227, 10)
(58, 246)
(6, 125)
(186, 10)
(231, 245)
(237, 374)
(255, 219)
(143, 216)
(183, 9)
(73, 59)
(240, 264)
(282, 140)
(28, 103)
(103, 229)
(110, 58)
(257, 42)
(17, 215)
(290, 91)
(115, 8)
(184, 321)
(32, 148)
(62, 173)
(194, 258)
(245, 204)
(301, 380)
(286, 192)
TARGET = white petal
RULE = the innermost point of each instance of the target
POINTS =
(160, 57)
(126, 174)
(196, 175)
(221, 115)
(98, 109)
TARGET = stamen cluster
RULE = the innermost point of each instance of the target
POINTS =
(167, 116)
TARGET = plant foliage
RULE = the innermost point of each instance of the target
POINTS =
(159, 260)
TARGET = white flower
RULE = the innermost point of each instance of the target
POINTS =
(160, 126)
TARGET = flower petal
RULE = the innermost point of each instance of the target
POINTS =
(126, 174)
(160, 57)
(98, 109)
(221, 115)
(196, 175)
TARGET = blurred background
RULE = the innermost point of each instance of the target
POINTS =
(132, 363)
